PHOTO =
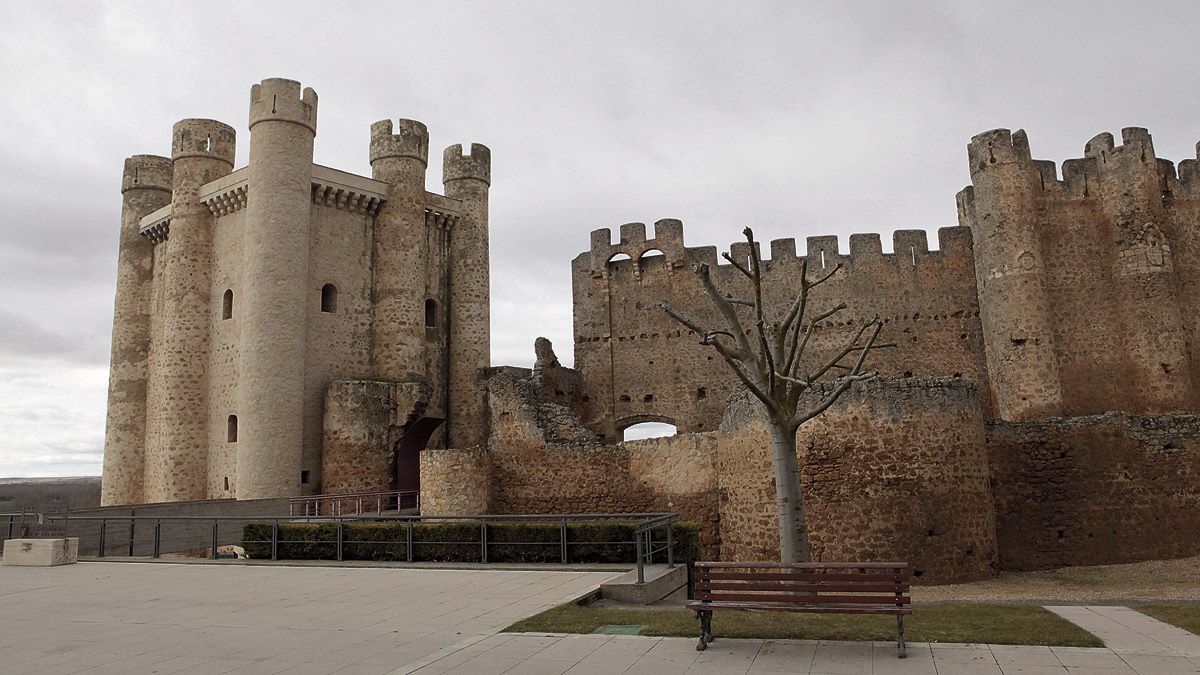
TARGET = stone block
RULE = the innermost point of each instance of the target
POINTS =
(41, 552)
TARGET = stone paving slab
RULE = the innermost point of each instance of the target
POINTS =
(143, 618)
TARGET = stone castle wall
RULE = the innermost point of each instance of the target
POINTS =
(639, 365)
(1095, 490)
(253, 291)
(1057, 297)
(895, 470)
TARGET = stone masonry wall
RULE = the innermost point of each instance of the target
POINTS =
(1095, 490)
(364, 419)
(895, 470)
(639, 365)
(455, 482)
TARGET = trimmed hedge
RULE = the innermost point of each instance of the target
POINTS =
(459, 542)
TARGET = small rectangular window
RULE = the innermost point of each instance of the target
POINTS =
(231, 429)
(304, 477)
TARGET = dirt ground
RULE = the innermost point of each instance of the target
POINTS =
(1153, 581)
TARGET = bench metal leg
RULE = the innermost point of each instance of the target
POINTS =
(900, 633)
(705, 629)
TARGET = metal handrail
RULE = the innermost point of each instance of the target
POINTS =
(645, 524)
(311, 505)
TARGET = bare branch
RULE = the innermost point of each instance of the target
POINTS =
(739, 301)
(766, 357)
(733, 262)
(726, 309)
(799, 344)
(825, 278)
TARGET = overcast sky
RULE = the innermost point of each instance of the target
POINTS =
(796, 121)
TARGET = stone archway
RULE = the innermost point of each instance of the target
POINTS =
(408, 453)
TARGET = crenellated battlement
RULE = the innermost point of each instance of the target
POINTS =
(146, 172)
(208, 139)
(911, 247)
(458, 166)
(407, 138)
(279, 99)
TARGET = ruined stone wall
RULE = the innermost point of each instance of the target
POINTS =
(1087, 282)
(456, 482)
(895, 470)
(1095, 490)
(363, 421)
(543, 460)
(639, 365)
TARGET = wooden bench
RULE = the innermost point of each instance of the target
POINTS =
(824, 588)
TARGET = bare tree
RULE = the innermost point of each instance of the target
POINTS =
(768, 358)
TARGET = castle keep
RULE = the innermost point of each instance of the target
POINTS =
(246, 299)
(288, 329)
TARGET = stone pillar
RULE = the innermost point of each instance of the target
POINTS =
(283, 123)
(177, 409)
(145, 187)
(399, 156)
(1010, 273)
(467, 179)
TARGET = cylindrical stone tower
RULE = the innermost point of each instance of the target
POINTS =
(399, 156)
(467, 179)
(1155, 347)
(145, 187)
(283, 123)
(177, 411)
(1010, 272)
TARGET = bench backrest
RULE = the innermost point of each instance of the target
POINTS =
(884, 583)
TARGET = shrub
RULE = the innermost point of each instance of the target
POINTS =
(510, 542)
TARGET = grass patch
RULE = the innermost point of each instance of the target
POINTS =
(993, 624)
(1186, 617)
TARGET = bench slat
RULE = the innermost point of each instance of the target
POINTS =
(783, 576)
(815, 609)
(801, 588)
(805, 599)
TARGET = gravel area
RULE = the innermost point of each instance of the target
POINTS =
(1152, 581)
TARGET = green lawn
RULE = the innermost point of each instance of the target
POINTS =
(993, 624)
(1186, 617)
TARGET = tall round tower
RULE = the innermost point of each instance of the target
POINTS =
(283, 124)
(467, 179)
(145, 187)
(1010, 272)
(1155, 347)
(177, 415)
(399, 155)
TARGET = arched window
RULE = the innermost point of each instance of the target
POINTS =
(634, 432)
(231, 429)
(329, 298)
(430, 313)
(227, 304)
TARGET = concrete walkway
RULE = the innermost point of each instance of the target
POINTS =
(160, 618)
(548, 654)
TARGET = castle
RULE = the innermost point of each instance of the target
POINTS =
(245, 298)
(288, 328)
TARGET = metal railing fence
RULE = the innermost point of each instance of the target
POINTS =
(359, 503)
(155, 536)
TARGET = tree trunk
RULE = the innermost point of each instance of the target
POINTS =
(793, 532)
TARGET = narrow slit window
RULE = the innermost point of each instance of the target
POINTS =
(227, 304)
(227, 483)
(231, 429)
(304, 477)
(329, 298)
(430, 313)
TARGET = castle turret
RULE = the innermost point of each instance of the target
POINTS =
(399, 156)
(177, 433)
(467, 179)
(283, 124)
(1130, 188)
(1010, 272)
(145, 187)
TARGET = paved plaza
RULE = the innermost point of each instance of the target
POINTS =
(178, 618)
